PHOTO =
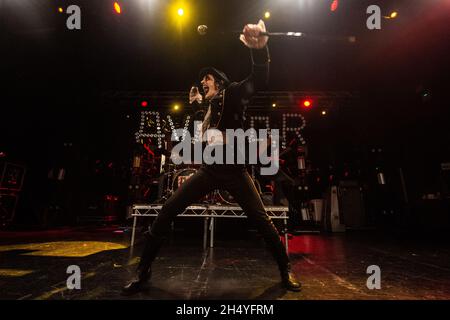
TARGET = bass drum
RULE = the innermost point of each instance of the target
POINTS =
(226, 198)
(181, 177)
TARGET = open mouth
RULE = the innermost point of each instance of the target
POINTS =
(205, 89)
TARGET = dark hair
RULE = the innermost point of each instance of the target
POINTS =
(220, 83)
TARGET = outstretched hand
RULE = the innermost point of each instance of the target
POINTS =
(194, 95)
(251, 35)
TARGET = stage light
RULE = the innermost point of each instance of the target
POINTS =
(307, 103)
(267, 15)
(324, 113)
(334, 5)
(393, 15)
(426, 95)
(180, 13)
(144, 104)
(274, 105)
(117, 8)
(176, 107)
(60, 10)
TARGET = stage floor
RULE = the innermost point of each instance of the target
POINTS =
(33, 265)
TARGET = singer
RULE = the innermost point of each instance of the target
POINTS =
(225, 103)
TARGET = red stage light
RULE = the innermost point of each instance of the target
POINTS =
(144, 104)
(334, 5)
(117, 7)
(307, 103)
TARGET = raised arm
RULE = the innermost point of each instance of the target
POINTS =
(260, 58)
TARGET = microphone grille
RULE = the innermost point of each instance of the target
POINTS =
(202, 29)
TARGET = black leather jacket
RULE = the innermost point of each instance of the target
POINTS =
(229, 106)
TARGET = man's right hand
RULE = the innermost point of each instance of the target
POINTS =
(194, 95)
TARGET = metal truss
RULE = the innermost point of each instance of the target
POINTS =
(209, 213)
(216, 211)
(263, 99)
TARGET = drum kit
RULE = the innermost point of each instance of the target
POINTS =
(175, 175)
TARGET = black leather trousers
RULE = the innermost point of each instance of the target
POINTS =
(236, 180)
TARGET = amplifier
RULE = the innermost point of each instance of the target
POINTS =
(351, 204)
(8, 204)
(11, 176)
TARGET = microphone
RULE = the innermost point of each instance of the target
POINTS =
(203, 30)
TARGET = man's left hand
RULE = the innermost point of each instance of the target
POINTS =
(251, 35)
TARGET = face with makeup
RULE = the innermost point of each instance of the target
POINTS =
(210, 86)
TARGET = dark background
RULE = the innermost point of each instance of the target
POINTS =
(54, 81)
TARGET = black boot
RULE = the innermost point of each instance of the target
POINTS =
(289, 280)
(144, 271)
(278, 251)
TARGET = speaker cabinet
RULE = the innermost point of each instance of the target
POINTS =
(351, 205)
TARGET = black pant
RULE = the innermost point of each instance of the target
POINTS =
(236, 180)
